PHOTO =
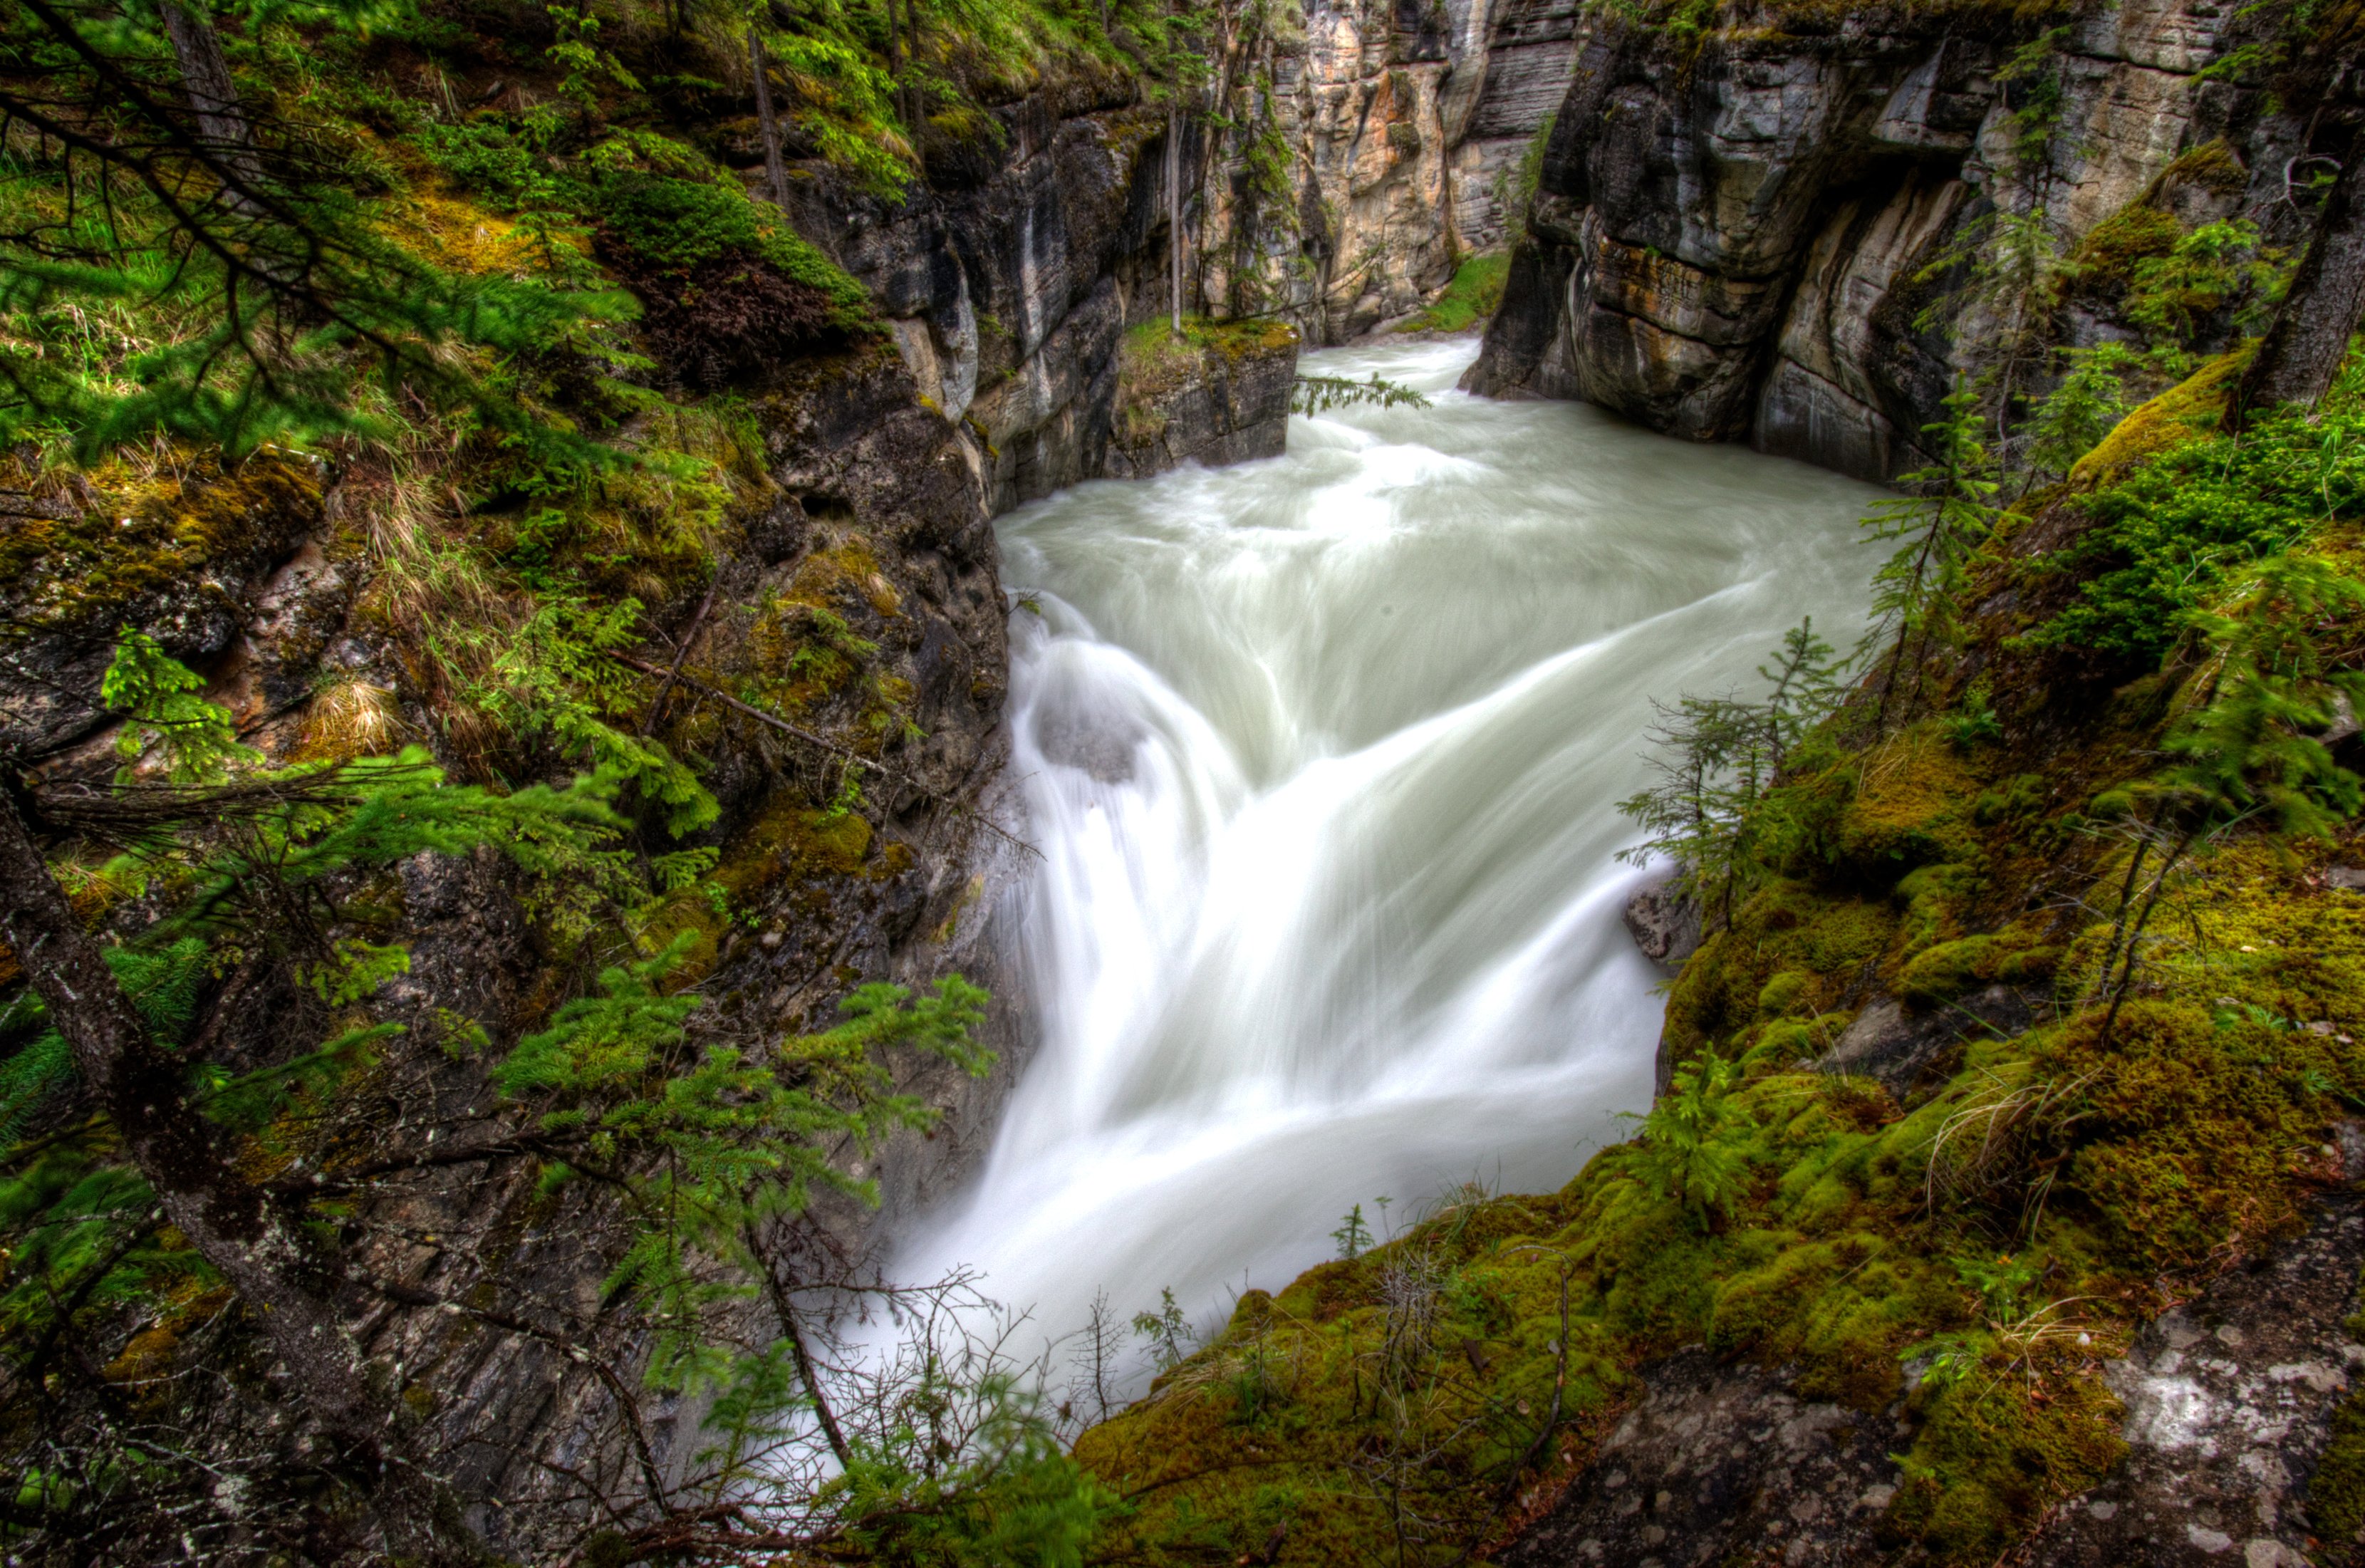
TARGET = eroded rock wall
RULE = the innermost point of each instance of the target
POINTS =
(1376, 147)
(1743, 235)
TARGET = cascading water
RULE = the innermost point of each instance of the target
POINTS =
(1323, 756)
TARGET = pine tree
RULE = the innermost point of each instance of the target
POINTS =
(1918, 590)
(1718, 758)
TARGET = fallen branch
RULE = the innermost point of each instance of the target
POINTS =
(689, 635)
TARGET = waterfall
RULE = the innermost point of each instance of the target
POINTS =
(1323, 756)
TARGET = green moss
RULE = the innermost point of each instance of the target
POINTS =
(1784, 994)
(2192, 407)
(2111, 247)
(1468, 300)
(121, 535)
(1995, 1451)
(680, 225)
(2336, 1493)
(2214, 165)
(1947, 971)
(1154, 361)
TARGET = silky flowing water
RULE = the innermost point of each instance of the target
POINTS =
(1323, 756)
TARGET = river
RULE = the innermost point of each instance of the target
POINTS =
(1323, 756)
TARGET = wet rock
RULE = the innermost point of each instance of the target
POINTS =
(185, 559)
(1664, 925)
(1898, 1047)
(2228, 1402)
(1225, 402)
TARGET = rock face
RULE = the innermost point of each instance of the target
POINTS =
(1008, 298)
(2229, 1403)
(1901, 1047)
(1717, 1463)
(1664, 927)
(1225, 401)
(1739, 236)
(1406, 125)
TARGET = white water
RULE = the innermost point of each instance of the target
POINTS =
(1323, 756)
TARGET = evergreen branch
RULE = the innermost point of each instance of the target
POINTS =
(846, 754)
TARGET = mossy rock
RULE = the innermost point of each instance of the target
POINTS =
(1786, 994)
(1947, 971)
(1906, 809)
(2192, 408)
(2108, 254)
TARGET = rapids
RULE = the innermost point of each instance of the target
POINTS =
(1323, 756)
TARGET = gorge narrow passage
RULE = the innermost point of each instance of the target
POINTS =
(1323, 756)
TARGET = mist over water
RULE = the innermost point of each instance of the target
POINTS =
(1323, 756)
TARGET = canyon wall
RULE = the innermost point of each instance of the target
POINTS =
(1771, 231)
(1392, 134)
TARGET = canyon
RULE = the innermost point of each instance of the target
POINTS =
(1265, 770)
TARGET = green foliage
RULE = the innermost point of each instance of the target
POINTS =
(1686, 1151)
(2220, 266)
(1167, 1330)
(2254, 747)
(1972, 722)
(1319, 394)
(1718, 758)
(235, 294)
(1917, 591)
(2032, 73)
(158, 697)
(2085, 406)
(2169, 535)
(1353, 1237)
(1468, 301)
(721, 1144)
(678, 225)
(1520, 183)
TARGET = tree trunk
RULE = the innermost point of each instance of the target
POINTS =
(230, 1223)
(2304, 349)
(909, 103)
(773, 171)
(213, 96)
(1174, 211)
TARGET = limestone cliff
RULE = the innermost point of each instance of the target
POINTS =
(1771, 231)
(1371, 146)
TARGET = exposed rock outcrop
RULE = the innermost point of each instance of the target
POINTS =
(1401, 131)
(2228, 1407)
(1901, 1047)
(873, 507)
(2229, 1403)
(1720, 1461)
(1742, 235)
(1213, 402)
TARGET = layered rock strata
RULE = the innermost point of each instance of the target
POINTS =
(1404, 128)
(1767, 232)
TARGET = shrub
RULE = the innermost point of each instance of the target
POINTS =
(2163, 538)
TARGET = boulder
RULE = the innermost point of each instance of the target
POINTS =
(1666, 925)
(1896, 1046)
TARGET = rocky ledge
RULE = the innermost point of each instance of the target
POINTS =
(1218, 394)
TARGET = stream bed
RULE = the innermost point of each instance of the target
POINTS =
(1323, 756)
